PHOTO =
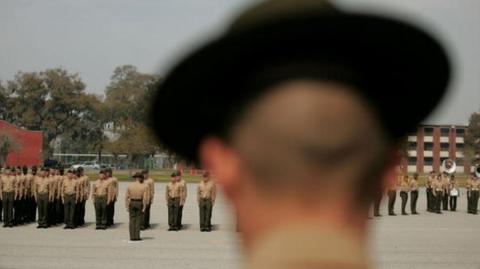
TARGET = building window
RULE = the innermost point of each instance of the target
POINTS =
(412, 161)
(428, 130)
(444, 146)
(412, 146)
(460, 146)
(444, 131)
(460, 132)
(460, 161)
(428, 161)
(428, 146)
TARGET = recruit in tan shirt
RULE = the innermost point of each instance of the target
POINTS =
(19, 186)
(102, 188)
(404, 186)
(475, 185)
(151, 188)
(207, 190)
(41, 185)
(7, 184)
(413, 185)
(28, 185)
(183, 191)
(437, 185)
(69, 187)
(172, 190)
(84, 187)
(53, 187)
(137, 191)
(113, 181)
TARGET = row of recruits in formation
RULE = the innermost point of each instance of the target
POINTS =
(442, 191)
(61, 197)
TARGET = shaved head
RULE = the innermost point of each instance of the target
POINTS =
(310, 131)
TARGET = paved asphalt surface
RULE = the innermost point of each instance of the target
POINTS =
(450, 240)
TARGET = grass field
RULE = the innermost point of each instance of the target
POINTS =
(164, 176)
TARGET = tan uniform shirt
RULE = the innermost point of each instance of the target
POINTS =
(41, 185)
(84, 187)
(19, 186)
(207, 190)
(53, 188)
(305, 247)
(28, 185)
(172, 190)
(183, 191)
(102, 188)
(151, 188)
(475, 185)
(59, 179)
(404, 185)
(69, 187)
(7, 184)
(446, 183)
(437, 185)
(413, 185)
(113, 181)
(137, 191)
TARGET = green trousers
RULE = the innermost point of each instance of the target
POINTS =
(173, 208)
(42, 205)
(69, 209)
(100, 211)
(8, 208)
(474, 196)
(136, 218)
(205, 213)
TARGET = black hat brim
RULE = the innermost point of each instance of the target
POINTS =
(405, 73)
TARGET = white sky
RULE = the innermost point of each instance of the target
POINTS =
(92, 37)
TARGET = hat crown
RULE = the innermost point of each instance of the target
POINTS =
(271, 11)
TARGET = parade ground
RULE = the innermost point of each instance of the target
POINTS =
(449, 240)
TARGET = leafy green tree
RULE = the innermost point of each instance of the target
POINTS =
(7, 145)
(472, 139)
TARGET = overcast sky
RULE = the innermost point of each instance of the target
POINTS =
(92, 37)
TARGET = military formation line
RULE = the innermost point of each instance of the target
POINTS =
(61, 197)
(442, 193)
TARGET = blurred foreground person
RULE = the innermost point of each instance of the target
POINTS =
(137, 198)
(206, 194)
(292, 109)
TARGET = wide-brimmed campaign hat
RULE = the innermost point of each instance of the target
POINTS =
(400, 69)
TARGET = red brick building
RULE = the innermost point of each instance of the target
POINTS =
(30, 144)
(434, 143)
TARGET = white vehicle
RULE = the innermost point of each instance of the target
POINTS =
(87, 165)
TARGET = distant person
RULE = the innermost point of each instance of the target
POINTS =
(173, 196)
(19, 205)
(206, 195)
(413, 186)
(376, 206)
(446, 190)
(52, 179)
(113, 181)
(404, 189)
(392, 196)
(102, 195)
(137, 198)
(474, 195)
(151, 188)
(8, 193)
(429, 191)
(41, 191)
(182, 185)
(468, 187)
(59, 207)
(454, 193)
(438, 189)
(84, 186)
(28, 195)
(70, 194)
(292, 108)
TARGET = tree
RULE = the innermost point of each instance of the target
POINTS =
(7, 145)
(54, 102)
(127, 99)
(472, 139)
